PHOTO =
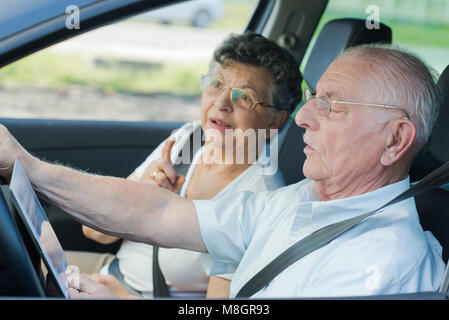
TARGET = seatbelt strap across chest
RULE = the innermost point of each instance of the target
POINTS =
(160, 287)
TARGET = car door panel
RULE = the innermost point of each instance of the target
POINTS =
(100, 147)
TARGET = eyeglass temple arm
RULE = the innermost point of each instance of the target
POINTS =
(372, 104)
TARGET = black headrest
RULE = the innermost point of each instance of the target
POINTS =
(432, 204)
(440, 138)
(336, 36)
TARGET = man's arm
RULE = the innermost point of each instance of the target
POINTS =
(99, 236)
(166, 178)
(127, 209)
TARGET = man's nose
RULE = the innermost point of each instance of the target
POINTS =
(306, 117)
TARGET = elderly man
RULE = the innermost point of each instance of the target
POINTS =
(373, 111)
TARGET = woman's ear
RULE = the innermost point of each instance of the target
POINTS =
(399, 141)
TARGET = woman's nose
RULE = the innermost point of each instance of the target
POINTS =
(223, 100)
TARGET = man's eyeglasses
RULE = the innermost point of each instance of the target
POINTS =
(324, 104)
(239, 97)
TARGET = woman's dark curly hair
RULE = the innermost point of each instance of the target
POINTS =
(256, 50)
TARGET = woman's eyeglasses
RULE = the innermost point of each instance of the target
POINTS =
(239, 97)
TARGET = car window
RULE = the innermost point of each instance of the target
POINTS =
(146, 68)
(420, 26)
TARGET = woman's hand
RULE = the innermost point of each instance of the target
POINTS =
(98, 236)
(218, 287)
(161, 172)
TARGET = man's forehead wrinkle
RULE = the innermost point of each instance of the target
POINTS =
(343, 76)
(331, 84)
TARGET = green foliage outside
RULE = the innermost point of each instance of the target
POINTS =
(48, 69)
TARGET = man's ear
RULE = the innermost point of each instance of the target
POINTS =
(399, 141)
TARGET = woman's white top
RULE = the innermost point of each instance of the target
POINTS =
(183, 269)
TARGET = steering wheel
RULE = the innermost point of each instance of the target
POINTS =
(20, 264)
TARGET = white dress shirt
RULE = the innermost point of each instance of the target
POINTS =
(385, 254)
(183, 269)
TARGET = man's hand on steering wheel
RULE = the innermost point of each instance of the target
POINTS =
(10, 150)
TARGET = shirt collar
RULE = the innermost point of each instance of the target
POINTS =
(332, 211)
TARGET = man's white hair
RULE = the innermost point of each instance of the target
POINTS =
(406, 81)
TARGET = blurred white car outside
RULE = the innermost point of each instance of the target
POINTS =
(199, 13)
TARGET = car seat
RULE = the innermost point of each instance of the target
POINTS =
(335, 36)
(433, 205)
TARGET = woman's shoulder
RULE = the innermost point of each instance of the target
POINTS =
(188, 127)
(186, 130)
(181, 136)
(254, 179)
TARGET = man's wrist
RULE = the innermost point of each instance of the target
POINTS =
(33, 166)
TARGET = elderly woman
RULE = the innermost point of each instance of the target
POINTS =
(252, 84)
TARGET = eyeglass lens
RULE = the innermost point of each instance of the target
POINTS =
(238, 96)
(323, 104)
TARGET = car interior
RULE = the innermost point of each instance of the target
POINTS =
(335, 36)
(116, 147)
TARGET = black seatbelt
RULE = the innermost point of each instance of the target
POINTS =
(326, 234)
(160, 288)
